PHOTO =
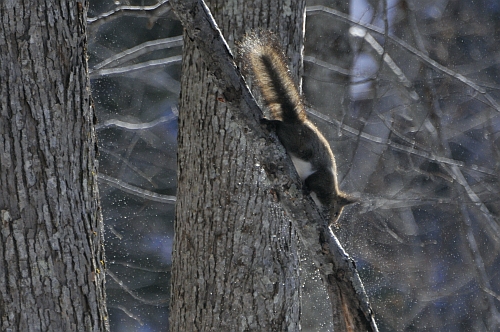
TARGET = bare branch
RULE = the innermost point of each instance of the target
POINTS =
(129, 165)
(138, 267)
(134, 294)
(145, 194)
(360, 32)
(128, 313)
(134, 126)
(139, 50)
(152, 12)
(490, 222)
(494, 319)
(327, 65)
(492, 293)
(140, 66)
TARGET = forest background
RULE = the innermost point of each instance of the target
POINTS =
(416, 139)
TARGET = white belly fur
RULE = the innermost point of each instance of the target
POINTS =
(304, 168)
(315, 199)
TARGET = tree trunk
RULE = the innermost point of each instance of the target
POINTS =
(235, 261)
(51, 253)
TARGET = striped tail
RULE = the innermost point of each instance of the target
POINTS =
(263, 57)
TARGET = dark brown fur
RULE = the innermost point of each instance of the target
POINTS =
(264, 60)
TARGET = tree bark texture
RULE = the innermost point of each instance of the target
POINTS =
(235, 261)
(51, 247)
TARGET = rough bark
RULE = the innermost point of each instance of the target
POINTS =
(51, 253)
(235, 261)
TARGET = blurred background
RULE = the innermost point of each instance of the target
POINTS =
(416, 134)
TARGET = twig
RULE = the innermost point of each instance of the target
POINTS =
(139, 66)
(138, 267)
(484, 280)
(153, 12)
(360, 32)
(327, 65)
(139, 50)
(490, 221)
(128, 313)
(129, 165)
(143, 193)
(134, 126)
(134, 294)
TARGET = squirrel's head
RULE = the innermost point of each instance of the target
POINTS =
(337, 205)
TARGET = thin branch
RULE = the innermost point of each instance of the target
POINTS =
(152, 12)
(360, 32)
(138, 267)
(327, 65)
(128, 313)
(134, 294)
(125, 162)
(134, 126)
(115, 232)
(143, 193)
(139, 66)
(134, 52)
(492, 293)
(490, 221)
(484, 281)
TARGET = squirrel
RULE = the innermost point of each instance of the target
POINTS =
(263, 59)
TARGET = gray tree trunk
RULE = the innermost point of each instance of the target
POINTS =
(235, 261)
(51, 253)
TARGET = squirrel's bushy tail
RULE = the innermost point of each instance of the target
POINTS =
(263, 59)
